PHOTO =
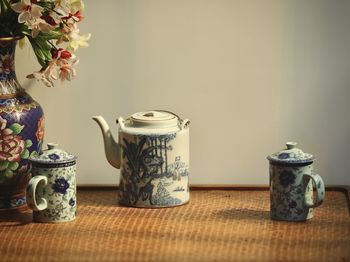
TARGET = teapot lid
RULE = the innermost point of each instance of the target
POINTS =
(291, 155)
(52, 155)
(153, 122)
(154, 118)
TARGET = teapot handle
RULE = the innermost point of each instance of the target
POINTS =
(184, 122)
(120, 122)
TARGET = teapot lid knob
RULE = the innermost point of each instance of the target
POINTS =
(291, 145)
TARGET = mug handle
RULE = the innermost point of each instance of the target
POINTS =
(320, 189)
(31, 191)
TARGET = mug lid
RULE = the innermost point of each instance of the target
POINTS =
(52, 155)
(291, 155)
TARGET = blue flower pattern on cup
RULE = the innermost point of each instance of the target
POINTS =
(60, 194)
(283, 155)
(72, 202)
(288, 194)
(287, 178)
(292, 204)
(60, 186)
(54, 157)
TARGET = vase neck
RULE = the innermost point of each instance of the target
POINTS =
(8, 80)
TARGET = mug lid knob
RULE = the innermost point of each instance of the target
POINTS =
(291, 145)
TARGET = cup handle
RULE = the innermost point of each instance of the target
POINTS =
(31, 192)
(320, 189)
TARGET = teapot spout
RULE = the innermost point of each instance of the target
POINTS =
(112, 149)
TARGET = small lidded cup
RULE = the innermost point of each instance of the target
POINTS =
(291, 185)
(51, 192)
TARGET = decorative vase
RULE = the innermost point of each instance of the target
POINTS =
(21, 131)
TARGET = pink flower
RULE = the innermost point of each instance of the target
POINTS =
(67, 72)
(11, 146)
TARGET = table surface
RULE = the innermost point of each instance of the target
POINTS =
(217, 225)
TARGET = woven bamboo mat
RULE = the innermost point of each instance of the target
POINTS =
(217, 225)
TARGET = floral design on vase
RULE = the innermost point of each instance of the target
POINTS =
(7, 65)
(40, 130)
(20, 132)
(12, 148)
(148, 178)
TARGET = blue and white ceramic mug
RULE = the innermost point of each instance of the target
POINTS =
(291, 185)
(51, 192)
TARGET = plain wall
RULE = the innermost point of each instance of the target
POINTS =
(249, 74)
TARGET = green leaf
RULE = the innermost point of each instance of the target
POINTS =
(42, 49)
(3, 165)
(16, 128)
(54, 34)
(13, 166)
(25, 154)
(34, 154)
(28, 143)
(8, 173)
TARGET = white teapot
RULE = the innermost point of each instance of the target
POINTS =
(153, 157)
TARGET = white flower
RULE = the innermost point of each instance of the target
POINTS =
(76, 40)
(66, 7)
(67, 72)
(61, 66)
(76, 5)
(65, 62)
(28, 11)
(47, 76)
(65, 31)
(62, 6)
(39, 25)
(41, 76)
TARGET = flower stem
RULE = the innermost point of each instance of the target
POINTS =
(4, 5)
(53, 46)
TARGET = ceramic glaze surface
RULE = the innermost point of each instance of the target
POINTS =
(154, 170)
(21, 131)
(291, 155)
(153, 157)
(291, 189)
(51, 192)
